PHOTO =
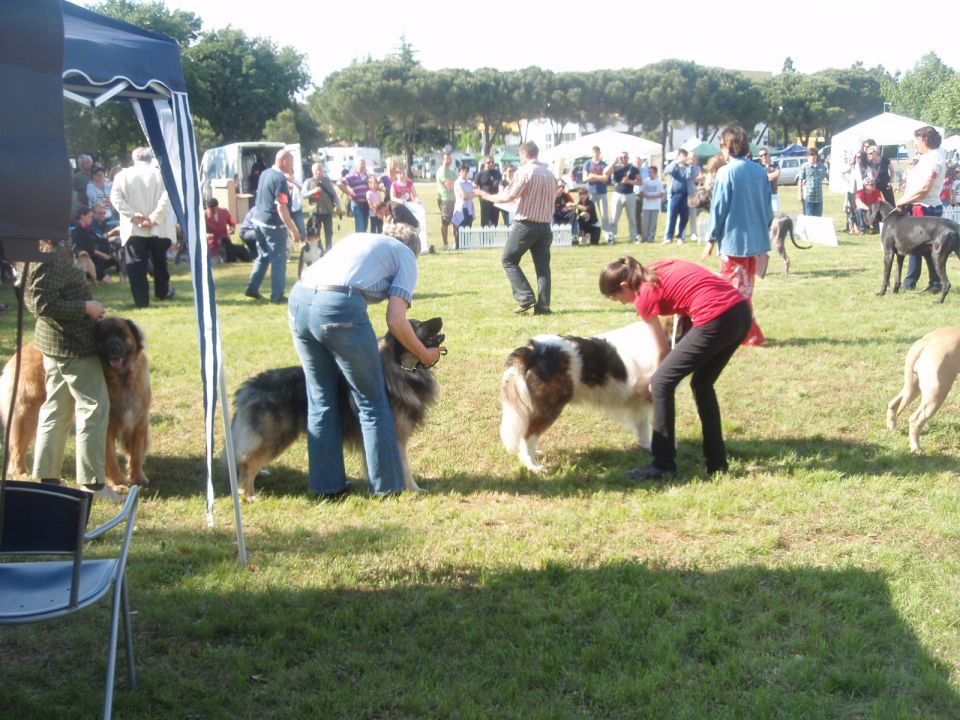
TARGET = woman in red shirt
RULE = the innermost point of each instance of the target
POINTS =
(721, 319)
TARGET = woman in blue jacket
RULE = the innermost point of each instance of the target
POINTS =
(740, 217)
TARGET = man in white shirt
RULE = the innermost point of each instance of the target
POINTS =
(139, 197)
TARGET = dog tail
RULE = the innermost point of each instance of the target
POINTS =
(797, 245)
(911, 383)
(515, 400)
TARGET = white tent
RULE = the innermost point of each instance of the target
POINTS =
(886, 129)
(611, 144)
(951, 143)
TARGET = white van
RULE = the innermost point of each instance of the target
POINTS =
(235, 161)
(789, 168)
(336, 159)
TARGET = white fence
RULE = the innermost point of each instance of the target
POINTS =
(952, 212)
(496, 237)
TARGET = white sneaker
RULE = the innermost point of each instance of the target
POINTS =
(105, 493)
(679, 241)
(666, 241)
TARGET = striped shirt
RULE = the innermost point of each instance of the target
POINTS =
(533, 187)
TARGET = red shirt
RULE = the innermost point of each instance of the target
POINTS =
(688, 289)
(217, 221)
(869, 199)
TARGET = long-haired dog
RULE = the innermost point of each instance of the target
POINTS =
(270, 409)
(120, 347)
(610, 372)
(930, 368)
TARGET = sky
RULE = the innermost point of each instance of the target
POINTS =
(621, 34)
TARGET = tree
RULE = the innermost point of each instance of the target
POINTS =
(944, 106)
(182, 26)
(282, 128)
(667, 88)
(238, 83)
(920, 85)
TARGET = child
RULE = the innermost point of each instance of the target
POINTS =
(374, 197)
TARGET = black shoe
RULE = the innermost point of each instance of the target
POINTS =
(542, 311)
(253, 294)
(337, 495)
(523, 307)
(717, 470)
(651, 472)
(933, 289)
(282, 300)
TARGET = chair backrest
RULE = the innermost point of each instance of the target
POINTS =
(43, 519)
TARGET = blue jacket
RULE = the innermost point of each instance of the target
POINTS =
(740, 214)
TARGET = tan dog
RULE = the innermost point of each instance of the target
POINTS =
(930, 367)
(120, 347)
(85, 263)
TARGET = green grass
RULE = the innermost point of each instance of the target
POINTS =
(816, 580)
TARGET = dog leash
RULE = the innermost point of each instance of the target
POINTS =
(419, 365)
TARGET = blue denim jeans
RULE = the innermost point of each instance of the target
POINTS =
(914, 268)
(361, 216)
(333, 336)
(272, 253)
(813, 208)
(679, 210)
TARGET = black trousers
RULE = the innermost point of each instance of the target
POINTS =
(138, 251)
(489, 214)
(703, 351)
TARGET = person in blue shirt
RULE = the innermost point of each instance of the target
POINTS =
(740, 217)
(679, 173)
(333, 336)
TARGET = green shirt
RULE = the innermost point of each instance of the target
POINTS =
(57, 292)
(445, 194)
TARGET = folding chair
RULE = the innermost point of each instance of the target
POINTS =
(41, 519)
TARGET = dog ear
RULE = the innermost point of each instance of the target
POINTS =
(137, 333)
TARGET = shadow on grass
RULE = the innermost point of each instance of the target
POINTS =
(621, 640)
(571, 473)
(774, 342)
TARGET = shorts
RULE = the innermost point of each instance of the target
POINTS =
(446, 210)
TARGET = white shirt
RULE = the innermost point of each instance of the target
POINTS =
(933, 164)
(139, 190)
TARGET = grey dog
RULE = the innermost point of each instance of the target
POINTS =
(902, 234)
(780, 228)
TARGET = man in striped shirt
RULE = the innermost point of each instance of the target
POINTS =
(533, 189)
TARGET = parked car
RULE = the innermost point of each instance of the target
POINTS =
(790, 168)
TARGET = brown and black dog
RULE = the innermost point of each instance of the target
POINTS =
(125, 367)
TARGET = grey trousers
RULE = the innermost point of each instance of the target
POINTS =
(537, 238)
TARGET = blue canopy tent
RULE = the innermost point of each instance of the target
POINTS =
(105, 59)
(793, 149)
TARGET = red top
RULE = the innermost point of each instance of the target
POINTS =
(217, 221)
(869, 198)
(687, 289)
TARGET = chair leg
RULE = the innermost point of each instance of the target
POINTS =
(112, 650)
(128, 633)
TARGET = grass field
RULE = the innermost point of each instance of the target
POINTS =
(816, 580)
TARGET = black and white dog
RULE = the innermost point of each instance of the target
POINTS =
(902, 234)
(610, 372)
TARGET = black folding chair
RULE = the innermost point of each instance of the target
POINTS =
(41, 519)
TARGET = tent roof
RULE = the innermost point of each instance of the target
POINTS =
(102, 53)
(794, 149)
(951, 143)
(610, 142)
(886, 128)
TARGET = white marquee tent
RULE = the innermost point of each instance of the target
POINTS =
(886, 128)
(611, 144)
